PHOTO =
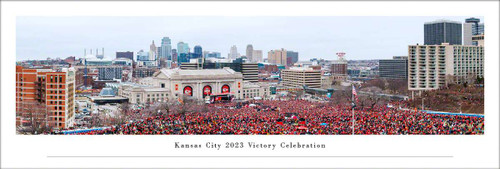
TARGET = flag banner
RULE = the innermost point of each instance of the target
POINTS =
(354, 93)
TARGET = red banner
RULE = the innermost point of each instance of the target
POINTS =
(188, 91)
(207, 90)
(226, 89)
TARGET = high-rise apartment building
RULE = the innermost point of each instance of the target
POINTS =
(277, 56)
(300, 76)
(50, 92)
(396, 68)
(166, 49)
(443, 31)
(434, 66)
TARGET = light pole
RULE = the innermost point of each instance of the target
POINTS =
(460, 107)
(423, 103)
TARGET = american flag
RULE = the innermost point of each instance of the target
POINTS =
(354, 93)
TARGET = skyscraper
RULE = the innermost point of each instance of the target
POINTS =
(475, 25)
(166, 48)
(292, 57)
(277, 56)
(198, 51)
(443, 31)
(182, 48)
(472, 27)
(233, 53)
(152, 51)
(249, 52)
(174, 55)
(468, 33)
(257, 56)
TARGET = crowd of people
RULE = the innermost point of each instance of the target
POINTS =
(294, 117)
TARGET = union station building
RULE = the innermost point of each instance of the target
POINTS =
(171, 84)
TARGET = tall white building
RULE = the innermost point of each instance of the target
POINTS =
(233, 53)
(467, 34)
(166, 48)
(153, 52)
(249, 52)
(257, 56)
(433, 66)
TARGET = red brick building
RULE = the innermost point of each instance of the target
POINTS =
(54, 90)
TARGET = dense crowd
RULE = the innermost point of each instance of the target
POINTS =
(299, 117)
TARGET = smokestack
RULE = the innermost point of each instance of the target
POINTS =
(90, 51)
(85, 52)
(96, 52)
(102, 51)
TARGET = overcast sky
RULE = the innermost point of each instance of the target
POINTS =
(311, 36)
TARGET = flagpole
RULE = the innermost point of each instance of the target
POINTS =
(353, 109)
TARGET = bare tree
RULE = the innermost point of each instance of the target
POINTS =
(34, 118)
(398, 86)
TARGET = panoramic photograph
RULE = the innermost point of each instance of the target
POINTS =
(241, 75)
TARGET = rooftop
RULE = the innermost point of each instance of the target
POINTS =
(443, 21)
(203, 72)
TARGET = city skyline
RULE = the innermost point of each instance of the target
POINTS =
(313, 37)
